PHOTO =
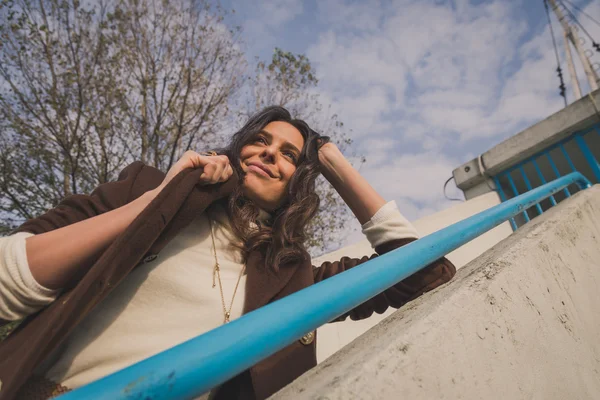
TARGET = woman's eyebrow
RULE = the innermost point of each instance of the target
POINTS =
(286, 144)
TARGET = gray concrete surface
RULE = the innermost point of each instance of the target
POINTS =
(332, 337)
(522, 321)
(576, 116)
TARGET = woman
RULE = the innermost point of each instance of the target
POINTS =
(182, 253)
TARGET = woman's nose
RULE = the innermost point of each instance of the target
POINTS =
(269, 153)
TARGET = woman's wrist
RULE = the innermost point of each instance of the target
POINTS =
(332, 163)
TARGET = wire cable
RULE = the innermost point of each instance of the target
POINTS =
(572, 16)
(581, 11)
(445, 195)
(562, 87)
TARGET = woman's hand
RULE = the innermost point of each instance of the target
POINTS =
(216, 168)
(329, 156)
(332, 160)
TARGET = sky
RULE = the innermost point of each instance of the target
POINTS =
(423, 85)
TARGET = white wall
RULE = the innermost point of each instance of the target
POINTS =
(520, 322)
(333, 337)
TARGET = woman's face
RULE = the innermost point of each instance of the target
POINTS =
(269, 161)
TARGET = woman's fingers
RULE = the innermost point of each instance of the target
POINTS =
(212, 172)
(216, 169)
(226, 173)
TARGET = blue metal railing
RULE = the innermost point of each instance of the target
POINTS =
(507, 187)
(194, 367)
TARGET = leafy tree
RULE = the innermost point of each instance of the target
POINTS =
(183, 66)
(57, 88)
(84, 90)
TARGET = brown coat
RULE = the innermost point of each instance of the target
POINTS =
(142, 241)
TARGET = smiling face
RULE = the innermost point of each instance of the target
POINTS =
(269, 161)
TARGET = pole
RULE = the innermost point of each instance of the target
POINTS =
(574, 80)
(592, 77)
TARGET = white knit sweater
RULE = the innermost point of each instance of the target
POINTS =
(158, 305)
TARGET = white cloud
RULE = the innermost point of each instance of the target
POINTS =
(263, 20)
(275, 13)
(440, 51)
(355, 15)
(415, 177)
(347, 63)
(419, 78)
(365, 108)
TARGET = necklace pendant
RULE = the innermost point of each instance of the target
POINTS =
(227, 317)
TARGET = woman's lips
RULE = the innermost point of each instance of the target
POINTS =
(258, 170)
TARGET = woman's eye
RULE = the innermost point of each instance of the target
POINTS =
(291, 156)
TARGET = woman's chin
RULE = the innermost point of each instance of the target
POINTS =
(256, 192)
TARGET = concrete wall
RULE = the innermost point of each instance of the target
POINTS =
(333, 337)
(520, 322)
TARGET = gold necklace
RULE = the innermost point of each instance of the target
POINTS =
(217, 272)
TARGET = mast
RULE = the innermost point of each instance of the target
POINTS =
(574, 80)
(592, 76)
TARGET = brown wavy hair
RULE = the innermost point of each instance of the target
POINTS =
(280, 240)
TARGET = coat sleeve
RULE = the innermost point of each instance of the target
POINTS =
(79, 207)
(133, 181)
(428, 278)
(20, 294)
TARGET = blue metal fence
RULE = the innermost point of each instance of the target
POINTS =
(194, 367)
(573, 154)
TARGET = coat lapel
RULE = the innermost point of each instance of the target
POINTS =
(262, 284)
(197, 199)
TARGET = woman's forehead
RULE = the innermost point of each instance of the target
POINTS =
(286, 132)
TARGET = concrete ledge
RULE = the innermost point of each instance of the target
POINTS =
(520, 322)
(332, 337)
(576, 116)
